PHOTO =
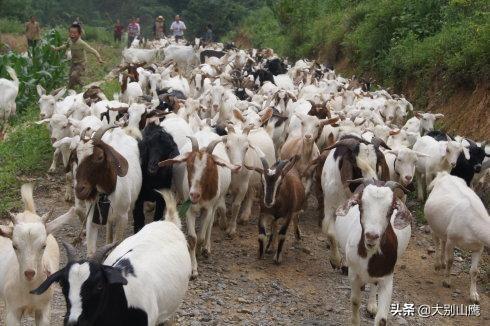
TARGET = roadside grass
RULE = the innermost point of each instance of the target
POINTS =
(26, 151)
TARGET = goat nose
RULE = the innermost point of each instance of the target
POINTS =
(408, 178)
(453, 164)
(308, 136)
(478, 168)
(53, 140)
(195, 196)
(29, 274)
(372, 236)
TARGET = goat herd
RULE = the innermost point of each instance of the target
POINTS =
(204, 127)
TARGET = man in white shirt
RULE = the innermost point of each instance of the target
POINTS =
(178, 27)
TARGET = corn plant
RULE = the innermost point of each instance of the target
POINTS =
(41, 65)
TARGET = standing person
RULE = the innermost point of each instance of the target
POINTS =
(118, 30)
(77, 47)
(33, 32)
(139, 28)
(178, 27)
(208, 36)
(159, 28)
(132, 31)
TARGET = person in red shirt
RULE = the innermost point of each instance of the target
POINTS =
(118, 30)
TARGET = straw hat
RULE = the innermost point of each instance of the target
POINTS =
(160, 18)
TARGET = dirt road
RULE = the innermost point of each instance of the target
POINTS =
(235, 288)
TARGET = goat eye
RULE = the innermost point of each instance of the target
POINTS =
(43, 246)
(14, 246)
(100, 287)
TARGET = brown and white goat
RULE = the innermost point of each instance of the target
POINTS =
(373, 230)
(108, 166)
(284, 196)
(208, 180)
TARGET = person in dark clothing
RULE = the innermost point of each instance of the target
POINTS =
(208, 36)
(118, 30)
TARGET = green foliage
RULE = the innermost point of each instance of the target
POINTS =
(399, 42)
(42, 66)
(11, 26)
(224, 15)
(98, 34)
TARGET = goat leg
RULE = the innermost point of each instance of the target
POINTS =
(281, 238)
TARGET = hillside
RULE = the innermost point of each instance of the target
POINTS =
(434, 52)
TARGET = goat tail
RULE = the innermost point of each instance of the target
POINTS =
(171, 213)
(27, 198)
(12, 74)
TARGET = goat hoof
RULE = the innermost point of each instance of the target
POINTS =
(194, 275)
(206, 253)
(278, 260)
(230, 233)
(344, 270)
(52, 170)
(446, 284)
(372, 310)
(475, 298)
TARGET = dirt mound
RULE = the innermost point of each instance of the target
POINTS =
(466, 112)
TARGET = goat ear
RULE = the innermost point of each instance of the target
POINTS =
(60, 94)
(346, 206)
(266, 116)
(466, 152)
(47, 283)
(116, 159)
(290, 165)
(418, 115)
(252, 168)
(61, 220)
(223, 163)
(403, 216)
(40, 90)
(178, 159)
(438, 115)
(237, 114)
(114, 275)
(6, 231)
(40, 122)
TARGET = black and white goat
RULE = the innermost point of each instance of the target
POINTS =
(142, 282)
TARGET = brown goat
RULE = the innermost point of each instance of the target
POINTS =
(284, 196)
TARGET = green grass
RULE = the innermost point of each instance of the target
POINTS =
(11, 26)
(26, 151)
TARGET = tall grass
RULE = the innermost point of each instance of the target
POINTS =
(11, 26)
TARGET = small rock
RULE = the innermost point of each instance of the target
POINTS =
(427, 229)
(429, 282)
(458, 259)
(401, 321)
(457, 291)
(243, 300)
(423, 256)
(245, 311)
(306, 250)
(431, 250)
(403, 266)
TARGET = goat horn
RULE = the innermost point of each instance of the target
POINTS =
(377, 142)
(100, 254)
(119, 109)
(394, 185)
(281, 165)
(212, 145)
(483, 144)
(247, 129)
(349, 143)
(71, 252)
(101, 131)
(195, 145)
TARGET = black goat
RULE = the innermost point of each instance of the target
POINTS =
(156, 145)
(263, 76)
(276, 67)
(466, 169)
(210, 53)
